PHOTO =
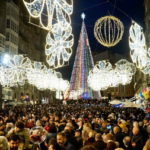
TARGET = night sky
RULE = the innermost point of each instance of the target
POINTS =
(95, 9)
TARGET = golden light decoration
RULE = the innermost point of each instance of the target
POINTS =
(108, 30)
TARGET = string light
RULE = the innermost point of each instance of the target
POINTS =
(108, 31)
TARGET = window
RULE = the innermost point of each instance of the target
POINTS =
(2, 42)
(7, 36)
(8, 10)
(8, 23)
(7, 49)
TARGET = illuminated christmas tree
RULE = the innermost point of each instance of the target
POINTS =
(79, 88)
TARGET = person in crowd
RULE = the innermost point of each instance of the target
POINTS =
(21, 132)
(2, 126)
(99, 144)
(80, 126)
(9, 126)
(3, 143)
(78, 138)
(14, 143)
(118, 135)
(127, 143)
(137, 139)
(53, 145)
(106, 131)
(146, 126)
(111, 146)
(110, 138)
(89, 147)
(71, 139)
(51, 133)
(147, 145)
(62, 141)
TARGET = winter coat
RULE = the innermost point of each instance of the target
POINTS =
(23, 136)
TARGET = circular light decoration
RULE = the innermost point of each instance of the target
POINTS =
(108, 31)
(59, 48)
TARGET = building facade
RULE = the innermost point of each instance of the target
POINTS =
(142, 80)
(121, 91)
(17, 36)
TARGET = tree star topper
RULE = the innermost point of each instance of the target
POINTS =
(83, 16)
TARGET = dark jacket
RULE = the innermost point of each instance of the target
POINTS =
(69, 146)
(90, 141)
(99, 145)
(139, 141)
(119, 138)
(79, 141)
(50, 136)
(129, 148)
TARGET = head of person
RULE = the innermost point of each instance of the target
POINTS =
(125, 130)
(77, 133)
(14, 142)
(88, 147)
(1, 120)
(68, 127)
(52, 129)
(145, 121)
(98, 137)
(127, 141)
(116, 129)
(92, 134)
(135, 130)
(135, 124)
(19, 126)
(38, 123)
(147, 145)
(111, 146)
(54, 145)
(61, 138)
(80, 123)
(9, 125)
(109, 137)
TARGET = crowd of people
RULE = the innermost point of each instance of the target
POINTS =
(94, 126)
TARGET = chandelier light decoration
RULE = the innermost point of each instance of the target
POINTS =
(59, 49)
(108, 31)
(104, 76)
(138, 49)
(59, 39)
(17, 67)
(62, 8)
(125, 70)
(19, 70)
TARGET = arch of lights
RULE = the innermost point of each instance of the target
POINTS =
(104, 76)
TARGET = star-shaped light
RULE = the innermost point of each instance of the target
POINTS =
(83, 16)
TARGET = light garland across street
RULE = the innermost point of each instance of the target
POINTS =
(20, 69)
(104, 76)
